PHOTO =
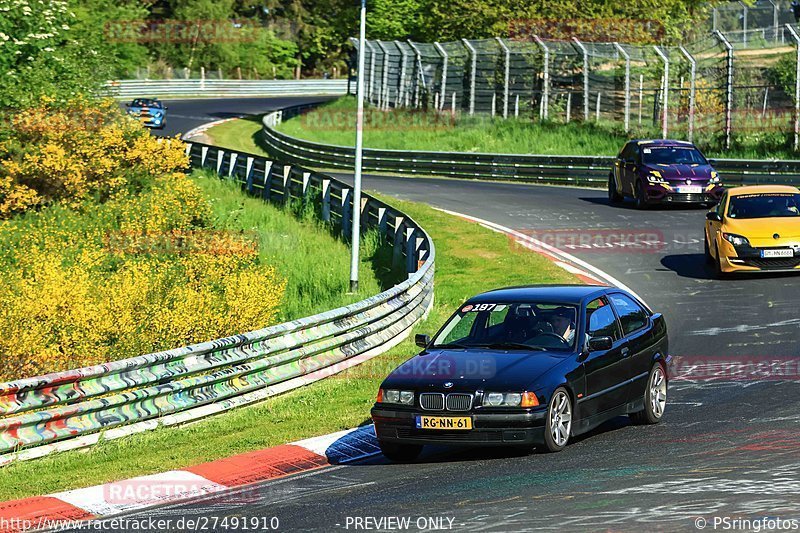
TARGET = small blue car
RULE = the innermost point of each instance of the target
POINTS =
(663, 171)
(151, 112)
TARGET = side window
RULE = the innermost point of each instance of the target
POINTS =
(626, 152)
(631, 314)
(637, 155)
(601, 321)
(721, 205)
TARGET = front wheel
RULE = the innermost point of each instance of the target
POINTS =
(655, 397)
(400, 453)
(558, 424)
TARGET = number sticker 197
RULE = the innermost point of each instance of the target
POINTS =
(475, 308)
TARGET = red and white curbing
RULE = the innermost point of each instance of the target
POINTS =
(109, 499)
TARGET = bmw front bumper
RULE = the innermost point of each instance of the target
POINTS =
(489, 429)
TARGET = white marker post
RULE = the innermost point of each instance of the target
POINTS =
(356, 211)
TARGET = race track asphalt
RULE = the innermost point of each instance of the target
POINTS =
(727, 448)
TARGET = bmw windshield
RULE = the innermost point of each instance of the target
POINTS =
(768, 205)
(672, 155)
(518, 326)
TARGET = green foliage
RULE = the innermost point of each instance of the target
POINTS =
(41, 54)
(783, 73)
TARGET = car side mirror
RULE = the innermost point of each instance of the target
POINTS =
(422, 340)
(597, 344)
(713, 216)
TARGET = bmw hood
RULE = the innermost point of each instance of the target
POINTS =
(682, 172)
(474, 369)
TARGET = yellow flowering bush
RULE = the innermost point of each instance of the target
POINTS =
(108, 249)
(86, 149)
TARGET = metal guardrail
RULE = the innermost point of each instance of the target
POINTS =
(554, 169)
(208, 87)
(78, 407)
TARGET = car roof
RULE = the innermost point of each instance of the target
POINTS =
(566, 294)
(662, 142)
(761, 189)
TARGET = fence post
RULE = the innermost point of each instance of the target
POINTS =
(744, 23)
(775, 23)
(585, 78)
(506, 74)
(411, 252)
(304, 186)
(796, 118)
(664, 92)
(383, 99)
(420, 74)
(692, 88)
(728, 87)
(267, 191)
(474, 68)
(442, 91)
(627, 57)
(545, 77)
(232, 163)
(399, 235)
(287, 183)
(569, 105)
(202, 78)
(203, 154)
(326, 199)
(371, 70)
(220, 157)
(382, 221)
(401, 90)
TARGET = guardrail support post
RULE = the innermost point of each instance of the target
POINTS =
(443, 89)
(347, 196)
(411, 251)
(627, 57)
(692, 88)
(188, 149)
(585, 53)
(304, 190)
(545, 77)
(728, 86)
(473, 70)
(382, 221)
(796, 117)
(506, 74)
(399, 237)
(220, 157)
(665, 92)
(287, 183)
(326, 199)
(232, 163)
(266, 192)
(248, 174)
(203, 154)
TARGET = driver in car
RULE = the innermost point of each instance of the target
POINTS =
(563, 323)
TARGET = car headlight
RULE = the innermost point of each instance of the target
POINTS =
(655, 177)
(714, 178)
(403, 397)
(510, 399)
(736, 240)
(158, 115)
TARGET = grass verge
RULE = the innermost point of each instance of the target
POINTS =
(332, 123)
(470, 259)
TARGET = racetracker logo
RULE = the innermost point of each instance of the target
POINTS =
(344, 120)
(736, 368)
(180, 31)
(587, 29)
(600, 240)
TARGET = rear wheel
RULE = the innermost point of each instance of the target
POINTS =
(558, 423)
(655, 397)
(614, 197)
(400, 453)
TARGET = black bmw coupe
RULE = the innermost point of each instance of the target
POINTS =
(527, 366)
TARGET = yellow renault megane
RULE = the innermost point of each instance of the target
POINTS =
(754, 228)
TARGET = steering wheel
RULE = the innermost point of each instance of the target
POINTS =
(556, 335)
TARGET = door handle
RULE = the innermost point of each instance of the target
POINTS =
(625, 352)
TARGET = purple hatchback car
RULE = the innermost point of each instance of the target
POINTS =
(663, 171)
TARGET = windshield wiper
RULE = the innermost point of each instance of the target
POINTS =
(511, 345)
(449, 345)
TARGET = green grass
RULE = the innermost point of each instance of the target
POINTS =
(469, 259)
(241, 135)
(332, 123)
(294, 245)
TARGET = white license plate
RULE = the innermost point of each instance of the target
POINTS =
(690, 189)
(777, 253)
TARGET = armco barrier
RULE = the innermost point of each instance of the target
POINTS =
(219, 88)
(79, 407)
(556, 169)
